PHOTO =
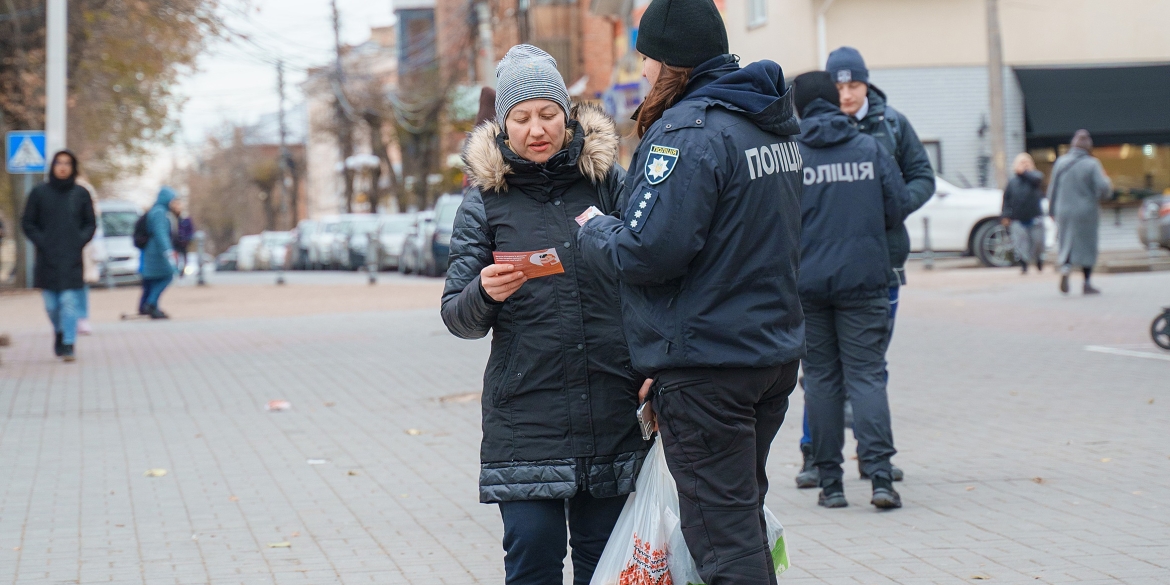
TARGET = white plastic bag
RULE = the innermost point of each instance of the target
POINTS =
(647, 546)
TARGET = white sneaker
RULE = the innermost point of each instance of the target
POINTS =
(83, 327)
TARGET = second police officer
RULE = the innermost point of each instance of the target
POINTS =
(707, 251)
(868, 109)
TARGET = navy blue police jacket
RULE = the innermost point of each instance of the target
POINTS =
(853, 194)
(708, 247)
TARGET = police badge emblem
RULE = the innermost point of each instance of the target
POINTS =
(660, 162)
(844, 76)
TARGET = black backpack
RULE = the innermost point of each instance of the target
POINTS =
(141, 233)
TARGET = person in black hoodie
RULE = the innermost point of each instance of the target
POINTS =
(559, 399)
(853, 194)
(707, 251)
(59, 220)
(1023, 214)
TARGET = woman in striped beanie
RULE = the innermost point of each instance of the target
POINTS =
(560, 439)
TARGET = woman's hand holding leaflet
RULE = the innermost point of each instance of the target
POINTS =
(499, 281)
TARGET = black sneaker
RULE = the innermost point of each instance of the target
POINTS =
(832, 496)
(1064, 283)
(1089, 290)
(156, 313)
(808, 477)
(894, 471)
(59, 345)
(884, 495)
(67, 353)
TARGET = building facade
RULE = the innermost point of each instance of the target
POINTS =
(1068, 64)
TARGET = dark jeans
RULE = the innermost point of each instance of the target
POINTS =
(152, 289)
(847, 361)
(717, 426)
(534, 537)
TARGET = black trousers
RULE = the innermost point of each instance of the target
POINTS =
(717, 426)
(534, 537)
(846, 360)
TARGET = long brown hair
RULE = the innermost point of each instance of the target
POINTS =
(670, 85)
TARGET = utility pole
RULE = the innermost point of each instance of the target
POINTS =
(56, 77)
(285, 155)
(486, 65)
(995, 89)
(343, 120)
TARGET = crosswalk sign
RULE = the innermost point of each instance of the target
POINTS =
(25, 153)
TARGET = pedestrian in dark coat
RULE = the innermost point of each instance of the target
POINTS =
(1023, 212)
(158, 261)
(853, 193)
(1075, 191)
(59, 220)
(707, 251)
(559, 397)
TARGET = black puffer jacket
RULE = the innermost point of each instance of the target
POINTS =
(59, 220)
(559, 394)
(1021, 198)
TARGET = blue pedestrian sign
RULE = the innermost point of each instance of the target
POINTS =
(24, 152)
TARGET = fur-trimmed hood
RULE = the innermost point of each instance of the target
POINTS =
(486, 168)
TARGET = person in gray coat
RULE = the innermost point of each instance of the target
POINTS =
(1078, 184)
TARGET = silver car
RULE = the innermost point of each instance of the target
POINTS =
(114, 242)
(392, 239)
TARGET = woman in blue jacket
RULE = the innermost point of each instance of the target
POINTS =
(707, 251)
(158, 262)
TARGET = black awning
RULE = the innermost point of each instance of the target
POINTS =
(1115, 104)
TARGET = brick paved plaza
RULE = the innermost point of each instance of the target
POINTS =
(1028, 458)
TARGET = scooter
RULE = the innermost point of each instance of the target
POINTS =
(1160, 329)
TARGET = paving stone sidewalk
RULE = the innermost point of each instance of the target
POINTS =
(1028, 458)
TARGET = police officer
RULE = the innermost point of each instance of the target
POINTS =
(707, 251)
(853, 193)
(866, 106)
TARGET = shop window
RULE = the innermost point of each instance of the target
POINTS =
(757, 13)
(1137, 170)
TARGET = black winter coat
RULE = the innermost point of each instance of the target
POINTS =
(709, 246)
(59, 221)
(559, 396)
(894, 132)
(853, 193)
(1021, 198)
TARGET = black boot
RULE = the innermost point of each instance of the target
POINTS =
(808, 477)
(884, 495)
(67, 353)
(59, 345)
(1023, 266)
(1064, 283)
(832, 496)
(156, 313)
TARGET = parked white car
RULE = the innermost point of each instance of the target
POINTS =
(967, 221)
(246, 252)
(327, 242)
(273, 251)
(392, 238)
(114, 241)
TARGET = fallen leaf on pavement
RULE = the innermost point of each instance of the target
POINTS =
(234, 499)
(1105, 460)
(1038, 480)
(980, 577)
(1138, 493)
(285, 544)
(330, 404)
(460, 398)
(296, 534)
(1151, 401)
(970, 487)
(351, 472)
(413, 432)
(277, 405)
(154, 473)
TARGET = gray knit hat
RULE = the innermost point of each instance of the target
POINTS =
(528, 73)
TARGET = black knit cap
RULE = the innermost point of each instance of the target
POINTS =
(812, 85)
(682, 33)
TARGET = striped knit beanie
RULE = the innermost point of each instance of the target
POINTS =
(528, 73)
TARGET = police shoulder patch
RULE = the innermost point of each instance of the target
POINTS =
(641, 204)
(660, 163)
